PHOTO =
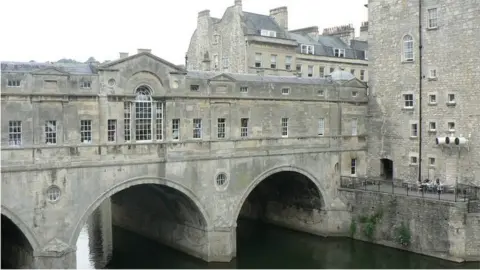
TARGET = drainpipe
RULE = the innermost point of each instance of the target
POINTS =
(420, 121)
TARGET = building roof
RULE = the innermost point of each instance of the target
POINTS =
(341, 75)
(207, 75)
(26, 67)
(254, 23)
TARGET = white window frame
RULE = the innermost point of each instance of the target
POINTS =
(221, 128)
(273, 61)
(215, 61)
(175, 129)
(50, 132)
(451, 126)
(244, 122)
(408, 48)
(86, 85)
(284, 125)
(144, 114)
(337, 52)
(112, 130)
(413, 160)
(307, 49)
(300, 71)
(159, 121)
(225, 63)
(258, 60)
(407, 102)
(432, 74)
(194, 88)
(13, 83)
(320, 92)
(432, 14)
(353, 167)
(14, 133)
(321, 127)
(362, 75)
(430, 99)
(243, 89)
(354, 93)
(432, 126)
(432, 161)
(127, 121)
(268, 33)
(197, 128)
(310, 71)
(413, 130)
(354, 126)
(86, 131)
(288, 62)
(285, 91)
(451, 100)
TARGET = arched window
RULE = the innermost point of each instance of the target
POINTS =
(407, 48)
(143, 114)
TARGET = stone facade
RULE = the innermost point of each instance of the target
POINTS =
(449, 93)
(74, 135)
(244, 42)
(437, 228)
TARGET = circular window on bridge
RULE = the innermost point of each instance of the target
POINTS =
(221, 180)
(53, 194)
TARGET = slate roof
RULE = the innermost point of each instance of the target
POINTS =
(26, 67)
(205, 75)
(254, 23)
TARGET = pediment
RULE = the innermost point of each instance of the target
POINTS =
(120, 62)
(50, 71)
(222, 78)
(355, 83)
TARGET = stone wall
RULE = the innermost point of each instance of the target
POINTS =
(436, 228)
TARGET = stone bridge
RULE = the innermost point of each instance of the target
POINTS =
(177, 157)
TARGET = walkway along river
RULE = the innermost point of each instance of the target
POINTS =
(262, 246)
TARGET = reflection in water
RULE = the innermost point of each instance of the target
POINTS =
(263, 246)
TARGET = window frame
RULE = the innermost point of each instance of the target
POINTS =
(408, 51)
(197, 128)
(408, 103)
(15, 136)
(353, 167)
(258, 60)
(53, 138)
(413, 130)
(13, 83)
(337, 52)
(307, 49)
(111, 130)
(354, 126)
(310, 71)
(244, 123)
(176, 128)
(221, 128)
(273, 61)
(86, 136)
(321, 127)
(159, 123)
(285, 91)
(288, 63)
(284, 127)
(144, 101)
(432, 21)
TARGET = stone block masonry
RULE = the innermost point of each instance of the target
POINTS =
(435, 228)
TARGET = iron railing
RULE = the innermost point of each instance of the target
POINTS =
(458, 192)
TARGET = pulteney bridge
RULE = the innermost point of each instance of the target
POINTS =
(175, 156)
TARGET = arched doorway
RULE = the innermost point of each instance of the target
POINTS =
(286, 199)
(155, 209)
(17, 251)
(386, 168)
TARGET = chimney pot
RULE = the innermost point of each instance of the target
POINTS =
(123, 55)
(144, 50)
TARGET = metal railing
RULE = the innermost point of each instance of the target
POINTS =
(455, 193)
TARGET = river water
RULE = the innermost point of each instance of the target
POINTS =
(262, 246)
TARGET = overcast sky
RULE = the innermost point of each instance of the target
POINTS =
(48, 30)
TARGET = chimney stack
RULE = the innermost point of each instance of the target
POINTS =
(238, 3)
(144, 50)
(123, 55)
(280, 15)
(363, 31)
(204, 13)
(345, 32)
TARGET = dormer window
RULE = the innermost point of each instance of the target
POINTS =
(13, 83)
(307, 49)
(339, 52)
(268, 33)
(85, 84)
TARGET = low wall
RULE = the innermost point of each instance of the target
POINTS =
(430, 227)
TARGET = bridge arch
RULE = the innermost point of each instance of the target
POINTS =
(135, 182)
(260, 178)
(32, 239)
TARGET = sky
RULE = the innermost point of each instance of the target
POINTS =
(49, 30)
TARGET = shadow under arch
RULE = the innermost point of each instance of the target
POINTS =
(134, 182)
(259, 179)
(29, 235)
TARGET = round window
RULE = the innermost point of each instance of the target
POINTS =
(111, 82)
(53, 194)
(221, 179)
